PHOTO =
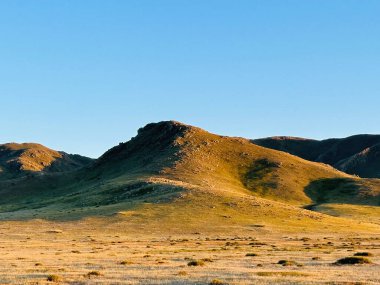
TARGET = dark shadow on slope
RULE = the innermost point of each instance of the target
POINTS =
(261, 177)
(339, 190)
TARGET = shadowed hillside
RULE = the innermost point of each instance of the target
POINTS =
(184, 176)
(17, 160)
(359, 155)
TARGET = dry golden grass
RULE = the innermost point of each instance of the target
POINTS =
(100, 245)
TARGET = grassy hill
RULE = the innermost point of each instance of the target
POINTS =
(178, 176)
(359, 155)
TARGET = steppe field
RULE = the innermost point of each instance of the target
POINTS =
(106, 252)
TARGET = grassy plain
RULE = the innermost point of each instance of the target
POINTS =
(109, 251)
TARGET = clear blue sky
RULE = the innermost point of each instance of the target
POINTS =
(82, 76)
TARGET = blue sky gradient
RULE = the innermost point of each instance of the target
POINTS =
(83, 75)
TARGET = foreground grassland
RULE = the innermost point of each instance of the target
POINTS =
(106, 251)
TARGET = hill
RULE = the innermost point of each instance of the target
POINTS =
(192, 155)
(359, 155)
(18, 160)
(176, 176)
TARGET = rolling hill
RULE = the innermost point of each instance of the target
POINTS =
(176, 175)
(358, 155)
(17, 160)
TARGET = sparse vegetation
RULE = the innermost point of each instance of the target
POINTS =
(196, 263)
(363, 254)
(53, 278)
(93, 273)
(284, 262)
(353, 260)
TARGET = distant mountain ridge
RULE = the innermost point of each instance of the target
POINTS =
(358, 155)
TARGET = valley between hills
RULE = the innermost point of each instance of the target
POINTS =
(179, 205)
